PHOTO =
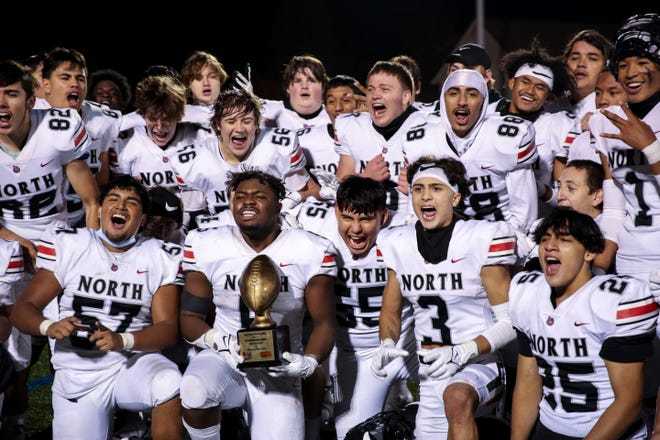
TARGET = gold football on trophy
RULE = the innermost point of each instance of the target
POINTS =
(260, 285)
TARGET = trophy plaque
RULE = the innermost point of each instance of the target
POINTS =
(262, 344)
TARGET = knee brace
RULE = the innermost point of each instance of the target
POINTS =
(193, 392)
(165, 385)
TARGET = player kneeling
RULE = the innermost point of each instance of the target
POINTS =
(117, 303)
(455, 273)
(583, 339)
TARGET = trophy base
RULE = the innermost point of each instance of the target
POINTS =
(263, 347)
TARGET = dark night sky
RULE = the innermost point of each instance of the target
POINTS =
(349, 36)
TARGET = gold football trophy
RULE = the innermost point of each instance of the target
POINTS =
(263, 343)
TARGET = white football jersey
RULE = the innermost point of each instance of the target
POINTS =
(498, 163)
(450, 303)
(359, 285)
(114, 288)
(609, 318)
(12, 270)
(299, 256)
(583, 147)
(359, 139)
(319, 145)
(102, 125)
(32, 184)
(154, 166)
(276, 152)
(277, 114)
(630, 170)
(427, 107)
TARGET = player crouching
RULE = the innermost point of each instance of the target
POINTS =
(118, 306)
(583, 339)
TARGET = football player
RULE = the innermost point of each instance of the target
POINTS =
(320, 142)
(456, 274)
(65, 85)
(239, 144)
(305, 81)
(497, 151)
(583, 339)
(371, 143)
(533, 76)
(150, 152)
(203, 75)
(39, 149)
(111, 88)
(307, 266)
(474, 57)
(117, 307)
(359, 215)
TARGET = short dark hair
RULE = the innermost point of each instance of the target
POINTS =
(345, 81)
(61, 55)
(11, 72)
(409, 63)
(231, 101)
(160, 94)
(113, 76)
(595, 173)
(33, 61)
(395, 69)
(275, 184)
(124, 181)
(593, 37)
(454, 169)
(361, 195)
(302, 62)
(563, 83)
(565, 221)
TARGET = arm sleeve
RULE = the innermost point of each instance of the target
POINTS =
(501, 244)
(524, 344)
(523, 198)
(189, 262)
(328, 261)
(48, 253)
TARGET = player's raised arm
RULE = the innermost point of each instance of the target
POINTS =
(84, 184)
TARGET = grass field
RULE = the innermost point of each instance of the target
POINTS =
(40, 411)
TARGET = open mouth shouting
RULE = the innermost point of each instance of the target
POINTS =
(357, 242)
(119, 222)
(378, 109)
(74, 99)
(429, 213)
(462, 116)
(5, 119)
(552, 266)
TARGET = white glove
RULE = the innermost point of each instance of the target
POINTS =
(328, 183)
(298, 366)
(385, 354)
(290, 201)
(243, 83)
(444, 362)
(225, 344)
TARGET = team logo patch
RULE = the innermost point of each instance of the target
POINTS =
(550, 320)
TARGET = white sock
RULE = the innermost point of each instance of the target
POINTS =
(210, 433)
(313, 428)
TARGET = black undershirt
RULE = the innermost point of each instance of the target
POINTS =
(641, 109)
(388, 131)
(434, 244)
(503, 109)
(287, 105)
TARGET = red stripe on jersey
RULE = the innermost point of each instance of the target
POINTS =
(295, 157)
(17, 264)
(636, 311)
(526, 151)
(179, 180)
(569, 139)
(499, 247)
(46, 250)
(81, 135)
(328, 259)
(188, 254)
(378, 253)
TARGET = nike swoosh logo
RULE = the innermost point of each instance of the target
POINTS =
(285, 264)
(580, 324)
(456, 260)
(140, 272)
(487, 167)
(169, 208)
(46, 164)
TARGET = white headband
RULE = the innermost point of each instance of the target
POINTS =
(467, 78)
(435, 172)
(538, 71)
